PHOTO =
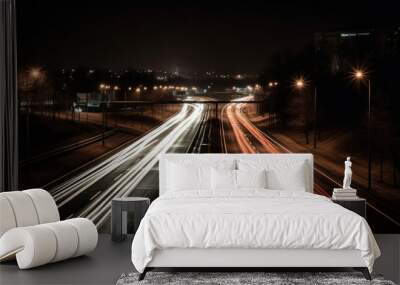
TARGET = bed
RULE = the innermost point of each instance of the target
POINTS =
(247, 211)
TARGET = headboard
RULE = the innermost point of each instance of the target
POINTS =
(214, 157)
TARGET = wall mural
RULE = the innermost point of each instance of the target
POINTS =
(90, 131)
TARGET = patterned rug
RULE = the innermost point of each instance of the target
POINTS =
(243, 278)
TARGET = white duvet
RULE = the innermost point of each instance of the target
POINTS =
(252, 218)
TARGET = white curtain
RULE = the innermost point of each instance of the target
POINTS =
(8, 98)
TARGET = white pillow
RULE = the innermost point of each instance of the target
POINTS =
(291, 179)
(282, 174)
(251, 178)
(183, 178)
(189, 161)
(223, 179)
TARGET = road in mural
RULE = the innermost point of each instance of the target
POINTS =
(119, 91)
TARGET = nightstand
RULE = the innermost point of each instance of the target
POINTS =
(357, 205)
(120, 207)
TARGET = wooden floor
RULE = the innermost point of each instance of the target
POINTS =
(106, 264)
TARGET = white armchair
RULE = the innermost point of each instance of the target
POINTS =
(31, 231)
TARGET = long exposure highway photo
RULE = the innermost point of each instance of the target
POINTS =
(104, 91)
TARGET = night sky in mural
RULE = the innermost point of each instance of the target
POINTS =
(106, 87)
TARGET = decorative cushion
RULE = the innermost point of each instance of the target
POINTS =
(191, 173)
(289, 174)
(189, 178)
(223, 179)
(292, 179)
(251, 178)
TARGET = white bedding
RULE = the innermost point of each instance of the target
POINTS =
(251, 218)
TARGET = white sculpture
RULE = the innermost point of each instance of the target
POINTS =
(348, 173)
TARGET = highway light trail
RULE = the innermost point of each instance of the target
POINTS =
(241, 139)
(241, 126)
(254, 131)
(140, 157)
(250, 139)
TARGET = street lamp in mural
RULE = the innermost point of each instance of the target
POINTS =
(362, 76)
(272, 84)
(35, 73)
(126, 93)
(300, 83)
(103, 91)
(31, 80)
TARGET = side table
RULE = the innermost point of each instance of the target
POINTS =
(119, 215)
(357, 205)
